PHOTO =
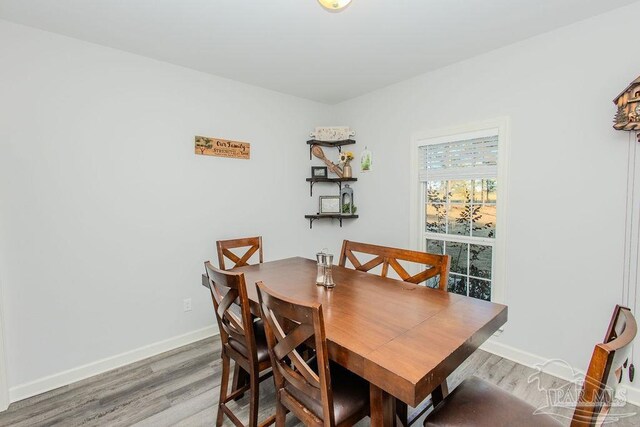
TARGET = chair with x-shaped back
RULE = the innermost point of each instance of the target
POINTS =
(317, 392)
(438, 265)
(480, 403)
(243, 340)
(390, 257)
(254, 244)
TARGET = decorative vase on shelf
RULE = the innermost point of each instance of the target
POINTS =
(345, 159)
(346, 171)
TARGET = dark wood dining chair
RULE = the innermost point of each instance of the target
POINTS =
(318, 392)
(253, 245)
(476, 402)
(438, 265)
(243, 340)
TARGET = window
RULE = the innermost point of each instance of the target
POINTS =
(457, 199)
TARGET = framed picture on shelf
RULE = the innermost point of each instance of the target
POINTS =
(330, 205)
(319, 172)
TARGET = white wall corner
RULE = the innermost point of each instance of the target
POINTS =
(70, 376)
(4, 383)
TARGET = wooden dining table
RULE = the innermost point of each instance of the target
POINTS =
(404, 339)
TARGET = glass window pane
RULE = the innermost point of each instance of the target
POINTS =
(458, 253)
(436, 191)
(432, 282)
(491, 186)
(480, 289)
(460, 191)
(458, 220)
(435, 246)
(484, 221)
(480, 261)
(484, 191)
(457, 284)
(436, 218)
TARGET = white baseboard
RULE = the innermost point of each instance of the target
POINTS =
(631, 394)
(560, 370)
(60, 379)
(54, 381)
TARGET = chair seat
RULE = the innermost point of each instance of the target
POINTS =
(478, 403)
(261, 343)
(350, 394)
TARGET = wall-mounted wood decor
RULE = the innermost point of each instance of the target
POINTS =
(628, 103)
(222, 148)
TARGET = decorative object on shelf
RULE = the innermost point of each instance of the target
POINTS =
(319, 172)
(346, 200)
(349, 209)
(334, 5)
(628, 113)
(345, 160)
(317, 151)
(332, 134)
(329, 205)
(222, 148)
(366, 160)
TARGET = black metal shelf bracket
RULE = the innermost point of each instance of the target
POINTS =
(311, 183)
(313, 219)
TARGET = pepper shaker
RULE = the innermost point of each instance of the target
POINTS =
(328, 273)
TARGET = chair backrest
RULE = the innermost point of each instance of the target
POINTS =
(254, 244)
(438, 264)
(233, 313)
(606, 368)
(288, 325)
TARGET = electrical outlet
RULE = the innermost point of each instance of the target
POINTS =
(186, 304)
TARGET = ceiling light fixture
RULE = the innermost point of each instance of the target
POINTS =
(334, 5)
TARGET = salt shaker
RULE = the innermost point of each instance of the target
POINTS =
(328, 274)
(322, 260)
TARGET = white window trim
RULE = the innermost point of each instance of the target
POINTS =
(416, 199)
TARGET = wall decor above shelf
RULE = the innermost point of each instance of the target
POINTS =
(337, 144)
(339, 217)
(338, 181)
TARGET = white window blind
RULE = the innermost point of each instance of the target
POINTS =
(464, 159)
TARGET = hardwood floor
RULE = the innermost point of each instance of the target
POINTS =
(180, 388)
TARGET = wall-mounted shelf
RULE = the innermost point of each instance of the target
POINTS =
(313, 180)
(339, 217)
(338, 181)
(336, 144)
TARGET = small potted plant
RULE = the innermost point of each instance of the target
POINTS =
(345, 160)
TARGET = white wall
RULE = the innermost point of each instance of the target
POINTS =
(107, 215)
(567, 189)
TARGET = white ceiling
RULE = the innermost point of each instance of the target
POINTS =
(294, 46)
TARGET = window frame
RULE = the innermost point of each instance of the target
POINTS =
(417, 232)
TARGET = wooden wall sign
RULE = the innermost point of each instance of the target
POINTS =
(222, 148)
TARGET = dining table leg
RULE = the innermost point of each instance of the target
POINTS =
(439, 393)
(383, 407)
